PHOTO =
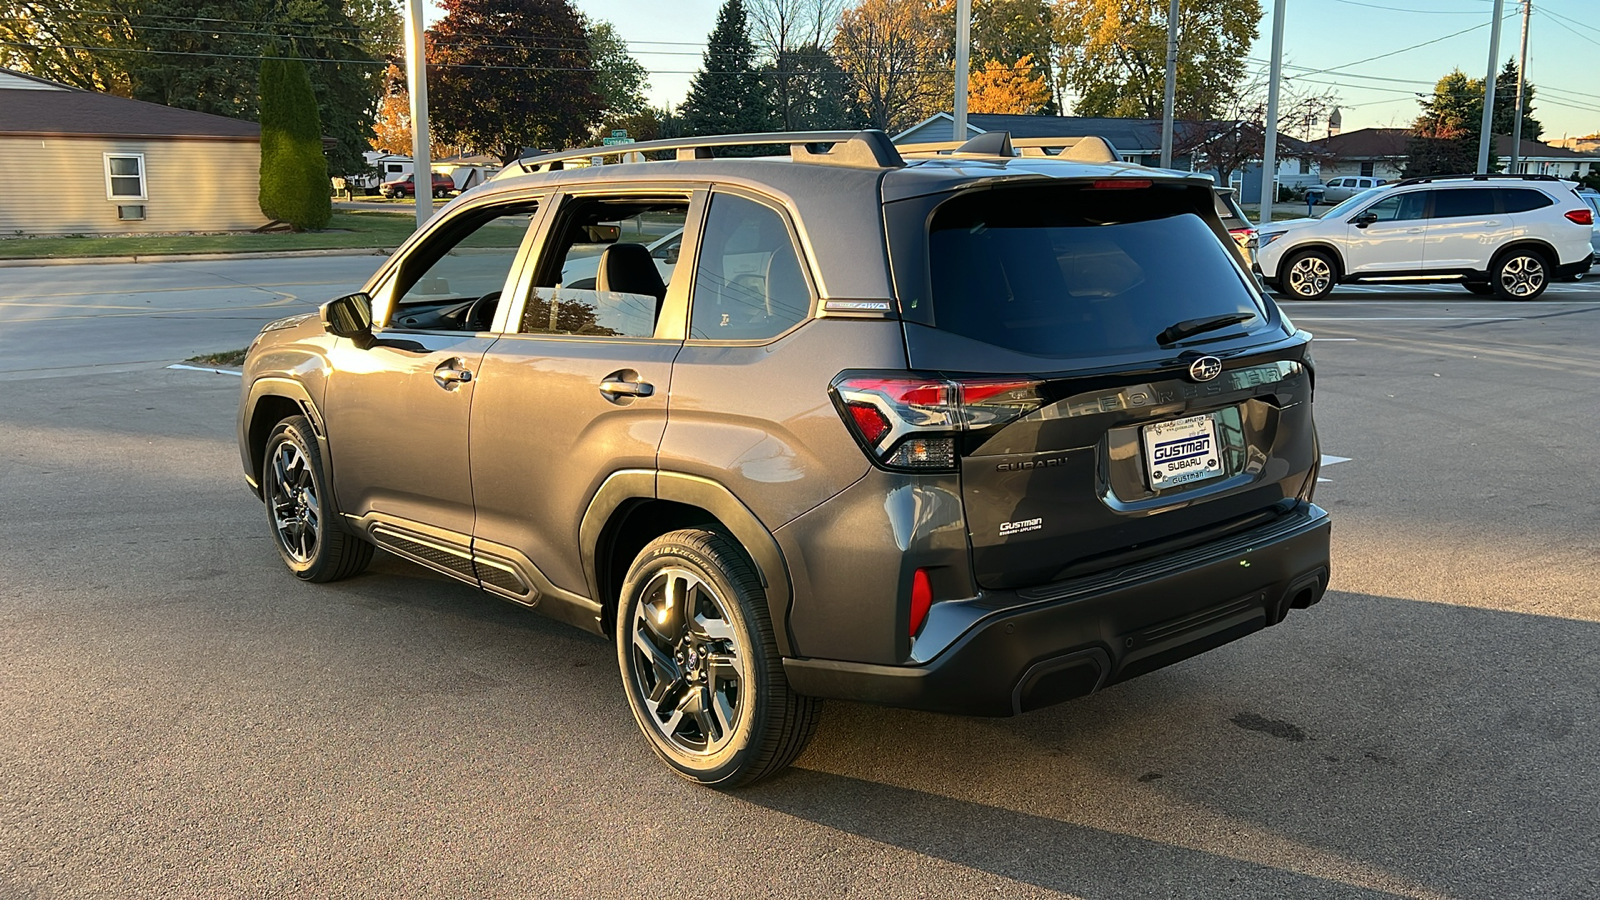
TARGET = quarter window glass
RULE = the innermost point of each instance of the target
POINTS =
(1458, 203)
(452, 282)
(748, 284)
(1400, 207)
(1515, 200)
(609, 265)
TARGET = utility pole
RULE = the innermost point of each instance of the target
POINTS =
(963, 51)
(1522, 77)
(417, 81)
(1172, 85)
(1269, 155)
(1485, 136)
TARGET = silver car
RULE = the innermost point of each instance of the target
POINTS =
(1341, 189)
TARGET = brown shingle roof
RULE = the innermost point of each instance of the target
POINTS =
(1379, 143)
(78, 113)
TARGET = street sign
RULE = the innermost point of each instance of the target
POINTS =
(610, 141)
(619, 132)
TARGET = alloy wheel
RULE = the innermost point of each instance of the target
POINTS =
(292, 494)
(689, 669)
(1522, 276)
(1310, 276)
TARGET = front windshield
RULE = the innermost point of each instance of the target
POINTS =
(1358, 200)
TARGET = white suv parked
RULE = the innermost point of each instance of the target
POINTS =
(1508, 235)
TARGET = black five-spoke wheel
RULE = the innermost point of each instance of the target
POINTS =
(700, 665)
(305, 527)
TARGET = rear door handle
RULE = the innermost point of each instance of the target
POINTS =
(452, 372)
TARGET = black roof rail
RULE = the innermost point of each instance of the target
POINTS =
(866, 149)
(1427, 179)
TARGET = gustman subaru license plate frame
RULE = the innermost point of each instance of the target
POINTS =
(1181, 451)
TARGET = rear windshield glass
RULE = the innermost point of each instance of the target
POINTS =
(1075, 272)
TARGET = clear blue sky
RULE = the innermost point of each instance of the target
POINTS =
(668, 36)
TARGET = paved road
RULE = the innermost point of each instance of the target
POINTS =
(180, 718)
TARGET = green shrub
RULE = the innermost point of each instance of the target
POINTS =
(294, 173)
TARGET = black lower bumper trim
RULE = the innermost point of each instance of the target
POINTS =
(1027, 655)
(1574, 269)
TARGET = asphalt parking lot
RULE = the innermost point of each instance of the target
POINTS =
(180, 718)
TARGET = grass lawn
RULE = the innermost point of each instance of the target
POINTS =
(354, 229)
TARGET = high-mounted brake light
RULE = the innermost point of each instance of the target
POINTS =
(1583, 216)
(911, 422)
(1119, 184)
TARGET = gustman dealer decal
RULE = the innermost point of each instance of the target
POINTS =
(1009, 528)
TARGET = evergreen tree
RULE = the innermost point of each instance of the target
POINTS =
(294, 173)
(727, 96)
(811, 93)
(1505, 104)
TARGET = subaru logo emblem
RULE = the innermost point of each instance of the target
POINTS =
(1205, 368)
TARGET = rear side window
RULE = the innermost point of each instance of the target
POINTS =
(748, 284)
(1455, 203)
(1515, 200)
(1075, 272)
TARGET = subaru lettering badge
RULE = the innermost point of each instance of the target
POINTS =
(1205, 368)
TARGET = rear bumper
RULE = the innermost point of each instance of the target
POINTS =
(1573, 270)
(1048, 644)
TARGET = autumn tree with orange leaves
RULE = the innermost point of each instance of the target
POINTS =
(1016, 89)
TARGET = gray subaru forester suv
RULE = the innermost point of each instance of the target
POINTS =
(974, 428)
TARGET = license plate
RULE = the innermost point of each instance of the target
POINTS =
(1181, 451)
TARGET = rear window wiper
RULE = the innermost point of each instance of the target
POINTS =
(1192, 327)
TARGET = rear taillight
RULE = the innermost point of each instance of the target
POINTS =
(1582, 216)
(912, 422)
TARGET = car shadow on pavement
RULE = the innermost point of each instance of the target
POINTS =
(1372, 746)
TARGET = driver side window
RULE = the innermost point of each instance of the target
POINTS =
(452, 282)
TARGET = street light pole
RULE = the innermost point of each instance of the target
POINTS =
(963, 51)
(1269, 155)
(1522, 76)
(1485, 136)
(417, 81)
(1172, 85)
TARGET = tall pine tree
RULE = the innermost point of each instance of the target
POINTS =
(727, 96)
(294, 173)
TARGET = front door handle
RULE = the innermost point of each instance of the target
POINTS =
(616, 388)
(452, 372)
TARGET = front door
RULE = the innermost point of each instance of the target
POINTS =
(398, 410)
(1387, 236)
(578, 387)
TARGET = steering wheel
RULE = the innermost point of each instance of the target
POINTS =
(481, 312)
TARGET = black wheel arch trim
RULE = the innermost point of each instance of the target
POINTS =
(1552, 259)
(691, 490)
(286, 389)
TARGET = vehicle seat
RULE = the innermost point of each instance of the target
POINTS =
(628, 269)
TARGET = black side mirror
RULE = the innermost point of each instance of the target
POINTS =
(349, 316)
(1368, 219)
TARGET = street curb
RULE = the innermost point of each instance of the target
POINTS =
(186, 257)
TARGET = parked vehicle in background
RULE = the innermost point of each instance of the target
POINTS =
(1238, 224)
(1507, 235)
(443, 186)
(1592, 200)
(1338, 190)
(974, 433)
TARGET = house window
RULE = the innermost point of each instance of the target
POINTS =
(125, 176)
(1305, 166)
(1366, 169)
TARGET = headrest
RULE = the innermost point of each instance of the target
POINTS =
(628, 269)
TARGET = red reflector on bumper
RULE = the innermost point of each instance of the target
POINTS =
(921, 600)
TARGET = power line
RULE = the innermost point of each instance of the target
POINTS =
(1402, 49)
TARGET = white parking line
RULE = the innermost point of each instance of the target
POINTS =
(1409, 318)
(205, 369)
(1328, 460)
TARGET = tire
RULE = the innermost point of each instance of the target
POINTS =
(1308, 275)
(1482, 289)
(1520, 275)
(707, 690)
(304, 524)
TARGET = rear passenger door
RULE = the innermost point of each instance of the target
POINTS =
(577, 386)
(1464, 230)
